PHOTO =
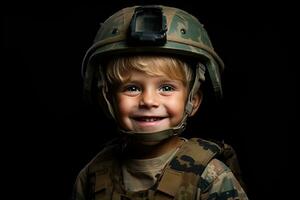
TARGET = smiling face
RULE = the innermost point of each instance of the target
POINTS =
(149, 92)
(149, 104)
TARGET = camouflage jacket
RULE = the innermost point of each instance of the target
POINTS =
(193, 173)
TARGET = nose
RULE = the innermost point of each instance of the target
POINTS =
(149, 99)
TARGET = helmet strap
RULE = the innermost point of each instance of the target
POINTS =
(102, 85)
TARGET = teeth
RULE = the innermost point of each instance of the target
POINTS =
(150, 119)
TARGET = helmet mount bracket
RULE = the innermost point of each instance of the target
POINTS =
(148, 26)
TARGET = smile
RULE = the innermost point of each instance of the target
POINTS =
(148, 119)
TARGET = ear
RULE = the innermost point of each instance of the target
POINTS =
(197, 99)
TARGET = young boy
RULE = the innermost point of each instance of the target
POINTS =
(146, 68)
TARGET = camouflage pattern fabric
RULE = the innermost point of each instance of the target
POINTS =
(186, 177)
(221, 181)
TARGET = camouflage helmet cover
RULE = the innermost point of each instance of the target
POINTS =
(185, 36)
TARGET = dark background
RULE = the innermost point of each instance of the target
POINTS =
(51, 133)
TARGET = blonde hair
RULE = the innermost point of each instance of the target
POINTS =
(152, 65)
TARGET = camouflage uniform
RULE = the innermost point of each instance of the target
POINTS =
(193, 173)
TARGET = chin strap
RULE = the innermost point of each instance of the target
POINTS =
(164, 134)
(155, 136)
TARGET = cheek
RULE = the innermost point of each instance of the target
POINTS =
(176, 106)
(122, 105)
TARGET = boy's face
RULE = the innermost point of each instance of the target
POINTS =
(150, 103)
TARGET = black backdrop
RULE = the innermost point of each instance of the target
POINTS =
(52, 133)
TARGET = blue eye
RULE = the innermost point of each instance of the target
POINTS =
(167, 88)
(132, 88)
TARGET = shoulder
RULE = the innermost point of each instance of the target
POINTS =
(214, 169)
(99, 164)
(200, 150)
(103, 159)
(221, 182)
(194, 155)
(204, 144)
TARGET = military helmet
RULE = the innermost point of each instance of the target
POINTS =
(152, 29)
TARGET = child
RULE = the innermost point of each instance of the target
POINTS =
(146, 69)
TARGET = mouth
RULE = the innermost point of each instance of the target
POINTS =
(148, 119)
(149, 123)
